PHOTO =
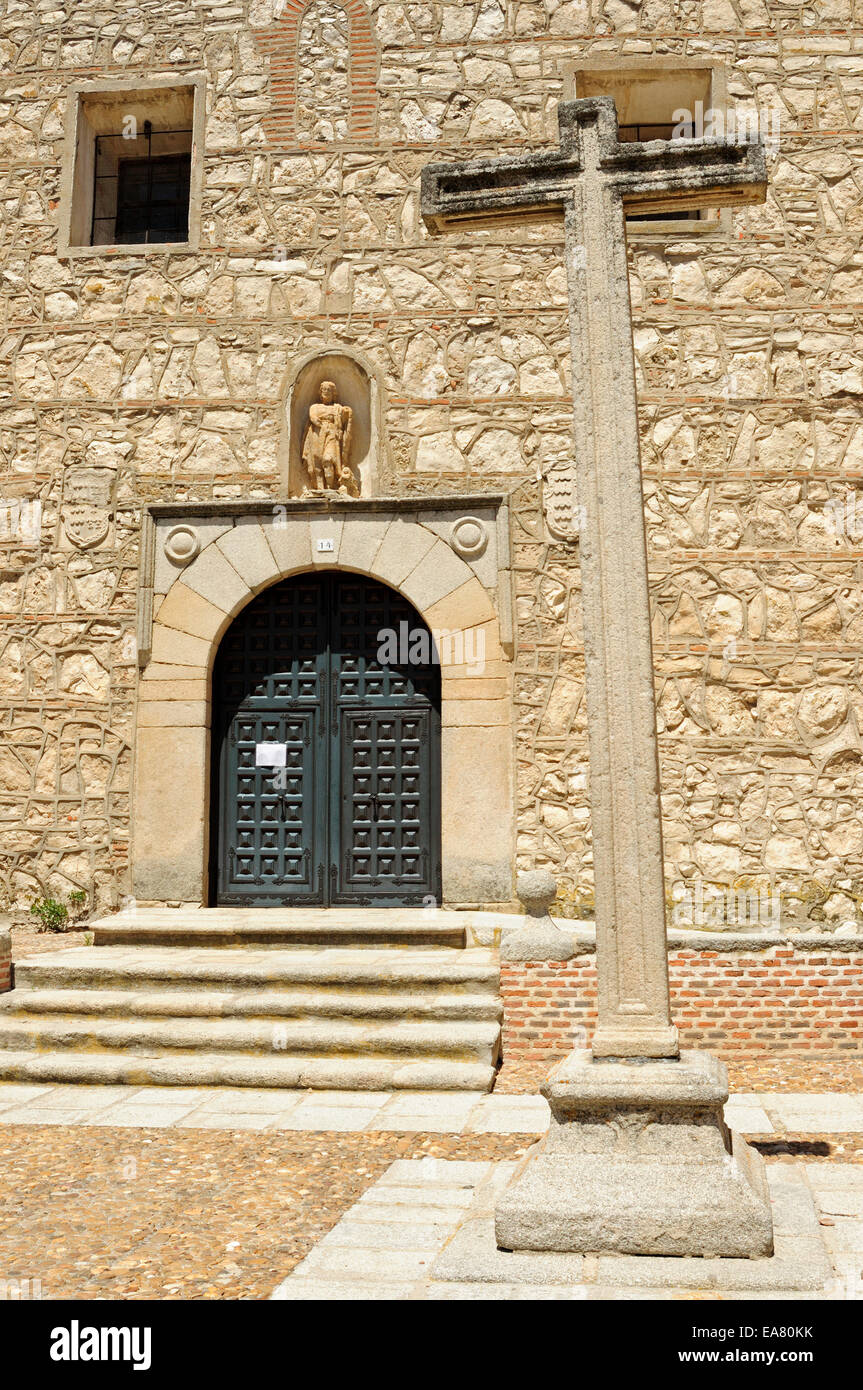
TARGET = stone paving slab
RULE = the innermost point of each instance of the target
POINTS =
(419, 1251)
(822, 1176)
(36, 1114)
(14, 1093)
(841, 1201)
(184, 1097)
(406, 1198)
(364, 1099)
(449, 1112)
(347, 1119)
(825, 1114)
(137, 1116)
(236, 1120)
(445, 1112)
(509, 1115)
(334, 1291)
(747, 1119)
(452, 1123)
(228, 1102)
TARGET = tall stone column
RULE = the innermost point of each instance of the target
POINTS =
(637, 1157)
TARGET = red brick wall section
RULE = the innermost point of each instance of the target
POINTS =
(280, 45)
(5, 961)
(737, 1005)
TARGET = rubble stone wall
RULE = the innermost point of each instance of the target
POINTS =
(140, 376)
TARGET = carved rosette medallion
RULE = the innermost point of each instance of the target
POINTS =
(182, 544)
(469, 537)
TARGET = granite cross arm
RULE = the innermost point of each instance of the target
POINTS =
(653, 176)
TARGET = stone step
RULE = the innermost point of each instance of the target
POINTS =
(238, 927)
(319, 1002)
(451, 1039)
(330, 999)
(380, 971)
(234, 1069)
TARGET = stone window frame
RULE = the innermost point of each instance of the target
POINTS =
(660, 228)
(71, 172)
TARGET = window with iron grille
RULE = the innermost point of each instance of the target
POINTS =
(652, 98)
(141, 187)
(133, 174)
(153, 199)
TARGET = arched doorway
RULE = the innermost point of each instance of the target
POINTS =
(326, 749)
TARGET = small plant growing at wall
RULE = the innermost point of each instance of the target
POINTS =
(53, 915)
(78, 902)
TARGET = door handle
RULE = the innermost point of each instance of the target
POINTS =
(374, 808)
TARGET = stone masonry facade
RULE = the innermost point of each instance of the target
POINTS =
(140, 376)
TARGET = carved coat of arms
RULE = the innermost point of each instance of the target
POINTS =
(87, 505)
(559, 501)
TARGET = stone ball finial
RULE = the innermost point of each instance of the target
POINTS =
(537, 890)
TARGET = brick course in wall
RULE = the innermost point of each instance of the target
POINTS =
(5, 962)
(737, 1005)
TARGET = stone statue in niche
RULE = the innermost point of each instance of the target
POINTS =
(327, 445)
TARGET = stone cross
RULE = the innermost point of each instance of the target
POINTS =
(594, 181)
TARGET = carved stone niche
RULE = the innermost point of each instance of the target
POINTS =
(352, 441)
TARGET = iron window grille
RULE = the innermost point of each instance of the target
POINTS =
(628, 133)
(145, 196)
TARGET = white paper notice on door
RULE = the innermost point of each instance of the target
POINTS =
(271, 754)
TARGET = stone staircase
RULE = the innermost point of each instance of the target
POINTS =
(336, 999)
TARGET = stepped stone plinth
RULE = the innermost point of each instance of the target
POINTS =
(638, 1160)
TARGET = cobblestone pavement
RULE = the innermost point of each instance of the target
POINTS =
(27, 941)
(180, 1193)
(804, 1072)
(128, 1213)
(170, 1195)
(98, 1213)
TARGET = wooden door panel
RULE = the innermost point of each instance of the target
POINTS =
(354, 816)
(270, 812)
(386, 818)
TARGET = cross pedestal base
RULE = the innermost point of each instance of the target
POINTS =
(638, 1160)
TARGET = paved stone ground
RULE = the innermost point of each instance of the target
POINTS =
(27, 941)
(386, 1245)
(445, 1112)
(810, 1071)
(172, 1193)
(134, 1213)
(139, 1212)
(117, 1192)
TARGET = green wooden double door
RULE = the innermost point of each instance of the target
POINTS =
(326, 756)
